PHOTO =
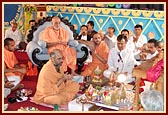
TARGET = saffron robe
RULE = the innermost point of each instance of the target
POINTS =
(10, 61)
(50, 35)
(48, 92)
(103, 51)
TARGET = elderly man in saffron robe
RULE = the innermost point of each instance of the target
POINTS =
(53, 86)
(57, 37)
(100, 52)
(12, 67)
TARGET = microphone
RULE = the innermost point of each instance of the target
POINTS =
(120, 59)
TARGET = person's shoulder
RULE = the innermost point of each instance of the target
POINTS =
(113, 50)
(143, 36)
(88, 37)
(129, 52)
(63, 30)
(103, 43)
(8, 30)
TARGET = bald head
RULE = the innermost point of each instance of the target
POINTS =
(56, 22)
(55, 52)
(160, 46)
(55, 18)
(102, 34)
(56, 57)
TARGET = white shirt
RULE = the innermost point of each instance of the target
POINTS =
(130, 44)
(149, 55)
(84, 37)
(111, 41)
(123, 64)
(141, 40)
(16, 35)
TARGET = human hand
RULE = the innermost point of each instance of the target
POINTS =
(62, 43)
(67, 76)
(139, 48)
(9, 84)
(143, 56)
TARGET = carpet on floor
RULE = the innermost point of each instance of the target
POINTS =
(29, 83)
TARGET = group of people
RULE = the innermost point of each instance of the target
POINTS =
(15, 33)
(112, 54)
(13, 71)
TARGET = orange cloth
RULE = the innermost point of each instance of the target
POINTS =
(51, 35)
(103, 51)
(10, 61)
(47, 90)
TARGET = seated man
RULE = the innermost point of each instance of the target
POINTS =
(14, 33)
(53, 86)
(152, 50)
(57, 37)
(100, 52)
(31, 24)
(84, 33)
(91, 31)
(12, 67)
(152, 70)
(160, 46)
(120, 60)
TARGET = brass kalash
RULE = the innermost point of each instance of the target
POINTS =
(98, 79)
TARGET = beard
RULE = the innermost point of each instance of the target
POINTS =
(57, 64)
(56, 27)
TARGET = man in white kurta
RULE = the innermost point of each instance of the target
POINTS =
(138, 40)
(110, 38)
(14, 33)
(152, 47)
(129, 44)
(120, 59)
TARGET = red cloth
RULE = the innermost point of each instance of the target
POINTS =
(21, 56)
(154, 72)
(29, 83)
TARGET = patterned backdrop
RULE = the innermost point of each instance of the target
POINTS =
(153, 22)
(19, 13)
(13, 13)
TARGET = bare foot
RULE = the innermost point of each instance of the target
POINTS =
(28, 92)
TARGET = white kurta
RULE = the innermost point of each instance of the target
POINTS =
(123, 64)
(149, 55)
(111, 42)
(84, 37)
(141, 40)
(16, 35)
